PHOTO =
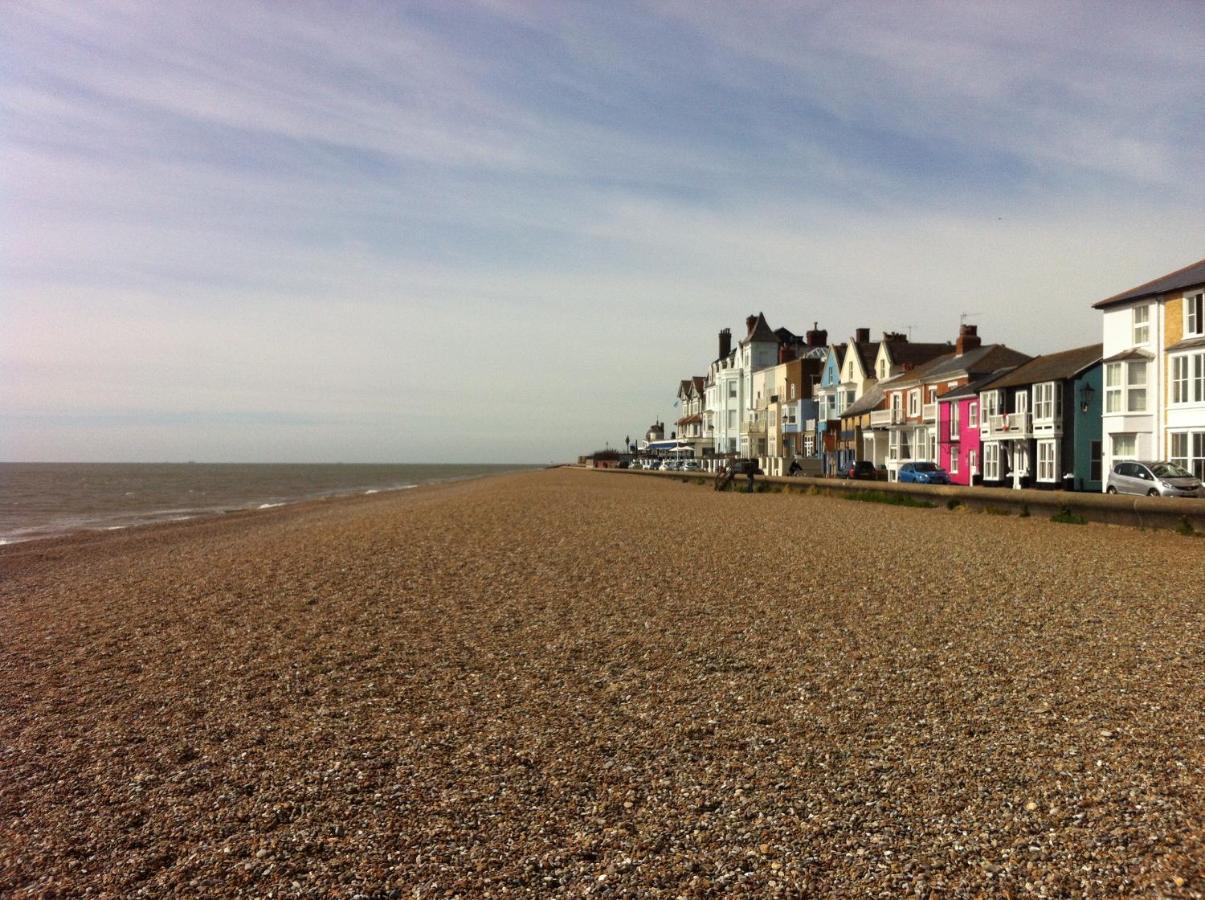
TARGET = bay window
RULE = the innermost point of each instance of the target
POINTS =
(1188, 450)
(1188, 378)
(1045, 401)
(1125, 387)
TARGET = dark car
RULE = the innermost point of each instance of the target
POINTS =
(863, 470)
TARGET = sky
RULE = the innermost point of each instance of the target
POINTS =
(504, 231)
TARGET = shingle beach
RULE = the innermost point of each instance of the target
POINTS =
(568, 682)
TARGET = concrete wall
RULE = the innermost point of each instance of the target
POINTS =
(1139, 512)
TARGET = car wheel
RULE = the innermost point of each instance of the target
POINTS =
(1111, 490)
(1152, 493)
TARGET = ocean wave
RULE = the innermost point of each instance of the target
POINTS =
(269, 505)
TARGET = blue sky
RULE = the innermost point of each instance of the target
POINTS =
(504, 231)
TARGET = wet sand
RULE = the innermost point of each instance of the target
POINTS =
(572, 682)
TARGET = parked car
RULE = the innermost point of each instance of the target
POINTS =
(863, 470)
(622, 464)
(670, 465)
(690, 465)
(923, 473)
(1155, 479)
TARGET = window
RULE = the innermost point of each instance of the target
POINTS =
(991, 462)
(1136, 387)
(1046, 401)
(732, 389)
(792, 390)
(1194, 313)
(973, 415)
(882, 368)
(1188, 378)
(1048, 459)
(954, 421)
(731, 419)
(850, 376)
(1125, 446)
(954, 461)
(1179, 379)
(1142, 324)
(1128, 395)
(1188, 450)
(991, 406)
(914, 403)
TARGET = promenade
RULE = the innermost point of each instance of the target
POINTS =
(567, 682)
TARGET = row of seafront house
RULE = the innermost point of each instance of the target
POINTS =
(986, 413)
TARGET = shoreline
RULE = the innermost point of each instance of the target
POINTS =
(92, 533)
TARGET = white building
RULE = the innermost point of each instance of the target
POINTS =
(1154, 371)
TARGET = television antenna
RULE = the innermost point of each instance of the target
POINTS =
(962, 319)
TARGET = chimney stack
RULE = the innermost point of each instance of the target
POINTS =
(725, 342)
(785, 353)
(894, 337)
(862, 335)
(968, 339)
(817, 337)
(750, 321)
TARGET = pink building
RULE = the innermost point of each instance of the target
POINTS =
(958, 447)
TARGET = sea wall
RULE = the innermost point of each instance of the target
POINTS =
(1114, 509)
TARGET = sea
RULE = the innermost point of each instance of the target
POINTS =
(41, 500)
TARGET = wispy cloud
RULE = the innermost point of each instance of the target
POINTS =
(399, 227)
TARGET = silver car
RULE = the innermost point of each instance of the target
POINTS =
(1155, 479)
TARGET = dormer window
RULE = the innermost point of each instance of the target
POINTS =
(1142, 325)
(850, 376)
(882, 368)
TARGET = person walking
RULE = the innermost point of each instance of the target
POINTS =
(750, 468)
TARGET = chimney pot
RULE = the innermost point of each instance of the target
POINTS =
(862, 335)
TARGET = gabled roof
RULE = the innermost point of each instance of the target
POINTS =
(683, 387)
(1190, 276)
(700, 383)
(1052, 367)
(762, 333)
(786, 336)
(867, 351)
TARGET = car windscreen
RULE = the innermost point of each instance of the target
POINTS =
(1170, 470)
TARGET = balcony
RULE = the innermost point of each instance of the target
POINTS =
(928, 412)
(880, 418)
(809, 426)
(1006, 426)
(753, 427)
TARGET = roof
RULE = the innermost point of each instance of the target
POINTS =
(761, 332)
(979, 361)
(917, 375)
(971, 388)
(1191, 343)
(868, 401)
(683, 386)
(904, 353)
(1132, 353)
(700, 383)
(786, 336)
(1052, 367)
(689, 420)
(1190, 276)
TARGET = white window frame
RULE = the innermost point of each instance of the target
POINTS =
(1130, 395)
(914, 402)
(1048, 461)
(973, 415)
(1194, 314)
(1188, 450)
(953, 460)
(1141, 325)
(954, 426)
(972, 462)
(991, 461)
(1116, 448)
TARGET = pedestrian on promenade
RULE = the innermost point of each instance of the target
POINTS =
(795, 467)
(750, 468)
